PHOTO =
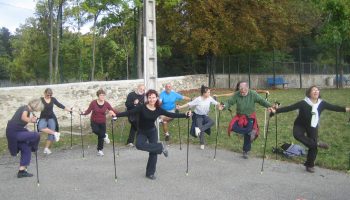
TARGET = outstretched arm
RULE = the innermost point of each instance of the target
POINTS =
(224, 95)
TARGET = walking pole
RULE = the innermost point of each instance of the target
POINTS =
(71, 129)
(278, 104)
(267, 131)
(276, 135)
(188, 141)
(36, 160)
(81, 136)
(121, 135)
(178, 125)
(266, 98)
(115, 168)
(217, 133)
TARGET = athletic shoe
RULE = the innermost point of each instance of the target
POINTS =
(152, 177)
(23, 174)
(130, 145)
(47, 151)
(100, 153)
(106, 139)
(165, 150)
(310, 169)
(57, 136)
(245, 155)
(197, 131)
(167, 136)
(323, 145)
(202, 146)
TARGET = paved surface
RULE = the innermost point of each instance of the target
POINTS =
(65, 175)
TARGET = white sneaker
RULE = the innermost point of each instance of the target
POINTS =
(47, 151)
(202, 146)
(106, 139)
(130, 145)
(57, 136)
(197, 131)
(100, 153)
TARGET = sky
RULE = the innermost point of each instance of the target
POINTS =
(15, 12)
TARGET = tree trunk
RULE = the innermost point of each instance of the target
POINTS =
(50, 2)
(93, 48)
(58, 41)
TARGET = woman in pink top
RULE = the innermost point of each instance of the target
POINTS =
(99, 108)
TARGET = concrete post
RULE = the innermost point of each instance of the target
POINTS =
(150, 45)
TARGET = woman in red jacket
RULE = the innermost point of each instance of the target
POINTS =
(99, 107)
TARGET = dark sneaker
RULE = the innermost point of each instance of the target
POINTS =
(310, 169)
(165, 150)
(167, 137)
(245, 155)
(23, 174)
(323, 145)
(152, 177)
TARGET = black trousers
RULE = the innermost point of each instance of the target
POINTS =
(132, 133)
(148, 141)
(309, 140)
(100, 131)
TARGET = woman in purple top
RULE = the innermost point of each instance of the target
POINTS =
(99, 108)
(20, 139)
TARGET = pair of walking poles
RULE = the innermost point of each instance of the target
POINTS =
(266, 131)
(188, 136)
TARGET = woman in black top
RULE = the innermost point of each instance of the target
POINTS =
(48, 121)
(148, 113)
(20, 139)
(307, 122)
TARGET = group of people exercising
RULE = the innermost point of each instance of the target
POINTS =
(143, 109)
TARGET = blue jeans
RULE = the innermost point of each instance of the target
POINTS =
(47, 123)
(152, 146)
(203, 122)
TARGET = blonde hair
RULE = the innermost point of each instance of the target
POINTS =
(48, 91)
(36, 105)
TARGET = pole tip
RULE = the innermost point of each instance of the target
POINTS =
(214, 159)
(261, 172)
(38, 184)
(186, 174)
(116, 180)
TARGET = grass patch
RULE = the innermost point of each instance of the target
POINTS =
(334, 130)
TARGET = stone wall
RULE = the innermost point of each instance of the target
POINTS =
(260, 80)
(79, 95)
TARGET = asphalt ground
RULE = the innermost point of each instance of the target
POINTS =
(65, 175)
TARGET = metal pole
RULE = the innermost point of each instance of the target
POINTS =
(217, 133)
(81, 136)
(71, 129)
(115, 168)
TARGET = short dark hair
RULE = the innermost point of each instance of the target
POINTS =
(100, 91)
(308, 91)
(239, 83)
(204, 89)
(149, 93)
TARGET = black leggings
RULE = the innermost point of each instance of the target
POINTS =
(309, 140)
(100, 131)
